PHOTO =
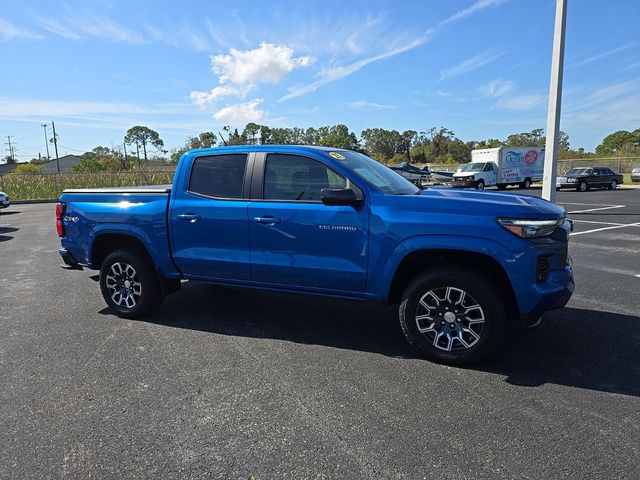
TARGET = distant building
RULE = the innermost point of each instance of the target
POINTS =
(6, 168)
(50, 166)
(66, 163)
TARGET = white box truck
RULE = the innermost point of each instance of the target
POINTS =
(502, 166)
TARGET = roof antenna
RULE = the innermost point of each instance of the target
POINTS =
(222, 138)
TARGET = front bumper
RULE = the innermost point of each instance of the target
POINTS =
(462, 183)
(5, 204)
(635, 177)
(551, 295)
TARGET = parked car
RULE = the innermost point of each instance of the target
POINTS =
(463, 266)
(4, 200)
(635, 174)
(585, 178)
(415, 175)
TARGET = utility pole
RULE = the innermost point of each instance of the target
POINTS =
(11, 150)
(555, 98)
(55, 144)
(124, 163)
(46, 139)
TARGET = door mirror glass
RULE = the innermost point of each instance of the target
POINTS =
(340, 196)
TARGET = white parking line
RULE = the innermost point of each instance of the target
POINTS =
(610, 207)
(599, 223)
(606, 228)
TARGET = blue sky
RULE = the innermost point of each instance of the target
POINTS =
(478, 67)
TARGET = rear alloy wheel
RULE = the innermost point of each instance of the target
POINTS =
(583, 186)
(480, 185)
(452, 315)
(129, 283)
(614, 185)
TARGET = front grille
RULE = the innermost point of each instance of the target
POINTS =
(542, 269)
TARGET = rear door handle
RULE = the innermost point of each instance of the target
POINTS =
(268, 220)
(189, 217)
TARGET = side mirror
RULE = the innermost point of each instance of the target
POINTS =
(340, 197)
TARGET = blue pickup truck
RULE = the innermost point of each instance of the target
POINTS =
(462, 266)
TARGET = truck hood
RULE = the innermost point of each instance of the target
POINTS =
(493, 204)
(464, 174)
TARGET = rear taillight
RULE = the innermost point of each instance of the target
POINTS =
(60, 207)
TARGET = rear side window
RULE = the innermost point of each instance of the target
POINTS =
(297, 178)
(220, 176)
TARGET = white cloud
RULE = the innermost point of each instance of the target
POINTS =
(332, 74)
(241, 113)
(497, 88)
(204, 98)
(75, 27)
(524, 102)
(22, 108)
(604, 54)
(603, 95)
(186, 36)
(9, 31)
(476, 7)
(364, 105)
(240, 71)
(268, 64)
(471, 64)
(54, 26)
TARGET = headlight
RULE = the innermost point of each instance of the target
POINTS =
(530, 228)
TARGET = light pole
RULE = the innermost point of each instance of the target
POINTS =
(555, 98)
(46, 139)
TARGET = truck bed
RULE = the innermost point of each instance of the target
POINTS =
(140, 189)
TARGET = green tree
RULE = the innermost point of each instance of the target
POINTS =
(337, 136)
(143, 136)
(203, 140)
(621, 142)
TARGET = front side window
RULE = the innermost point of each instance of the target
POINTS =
(296, 178)
(220, 176)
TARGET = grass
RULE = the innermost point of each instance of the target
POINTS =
(50, 186)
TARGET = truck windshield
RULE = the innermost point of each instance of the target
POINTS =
(376, 174)
(473, 167)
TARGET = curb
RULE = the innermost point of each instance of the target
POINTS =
(27, 202)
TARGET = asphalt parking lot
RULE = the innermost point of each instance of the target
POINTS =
(226, 383)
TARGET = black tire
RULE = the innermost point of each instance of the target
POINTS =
(480, 185)
(582, 186)
(526, 184)
(558, 189)
(613, 185)
(502, 186)
(491, 331)
(143, 293)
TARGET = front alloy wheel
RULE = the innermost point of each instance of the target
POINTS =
(450, 318)
(583, 187)
(453, 315)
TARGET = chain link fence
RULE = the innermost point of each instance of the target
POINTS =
(619, 165)
(49, 186)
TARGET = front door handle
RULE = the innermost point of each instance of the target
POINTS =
(189, 217)
(267, 220)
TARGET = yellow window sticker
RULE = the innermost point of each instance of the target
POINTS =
(336, 155)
